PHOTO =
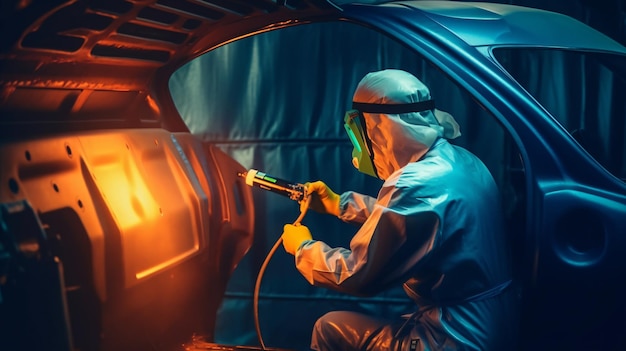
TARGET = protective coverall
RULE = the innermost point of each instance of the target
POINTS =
(435, 227)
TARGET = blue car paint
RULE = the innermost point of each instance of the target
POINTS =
(570, 197)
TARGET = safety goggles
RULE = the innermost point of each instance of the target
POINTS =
(362, 154)
(354, 123)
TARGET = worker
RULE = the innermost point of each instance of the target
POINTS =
(435, 228)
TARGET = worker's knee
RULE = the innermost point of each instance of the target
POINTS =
(345, 330)
(327, 323)
(325, 331)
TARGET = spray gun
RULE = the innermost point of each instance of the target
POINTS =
(255, 178)
(296, 192)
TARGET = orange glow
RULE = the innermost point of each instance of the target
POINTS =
(165, 264)
(153, 105)
(150, 197)
(126, 193)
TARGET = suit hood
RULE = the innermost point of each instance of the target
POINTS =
(399, 139)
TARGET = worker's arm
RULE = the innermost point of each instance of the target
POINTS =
(355, 207)
(349, 206)
(398, 233)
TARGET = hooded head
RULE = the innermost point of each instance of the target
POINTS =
(397, 122)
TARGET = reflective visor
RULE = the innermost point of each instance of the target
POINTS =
(355, 127)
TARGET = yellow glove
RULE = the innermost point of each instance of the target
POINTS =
(323, 199)
(293, 236)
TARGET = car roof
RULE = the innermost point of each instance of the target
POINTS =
(490, 24)
(93, 64)
(55, 54)
(134, 37)
(129, 41)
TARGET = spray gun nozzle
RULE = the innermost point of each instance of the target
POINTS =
(255, 178)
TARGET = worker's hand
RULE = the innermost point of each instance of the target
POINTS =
(293, 236)
(323, 199)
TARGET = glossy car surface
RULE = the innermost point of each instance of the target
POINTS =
(103, 183)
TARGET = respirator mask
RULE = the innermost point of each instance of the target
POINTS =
(354, 123)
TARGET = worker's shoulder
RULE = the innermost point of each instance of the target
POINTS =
(424, 173)
(444, 164)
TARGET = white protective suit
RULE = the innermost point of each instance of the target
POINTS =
(435, 227)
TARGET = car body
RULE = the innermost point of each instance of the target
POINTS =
(123, 224)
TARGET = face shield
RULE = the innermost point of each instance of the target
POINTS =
(362, 155)
(354, 123)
